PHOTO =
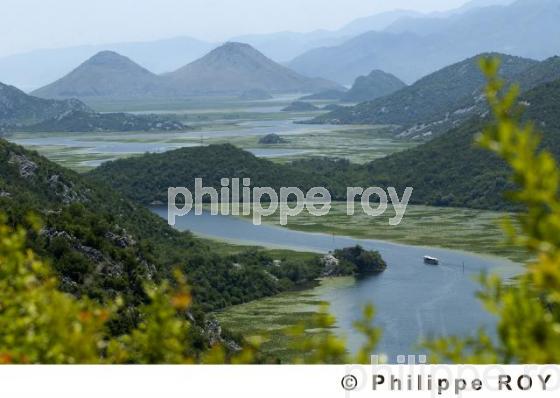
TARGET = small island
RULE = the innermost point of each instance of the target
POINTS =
(272, 139)
(352, 261)
(300, 106)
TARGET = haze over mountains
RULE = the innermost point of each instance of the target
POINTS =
(231, 69)
(412, 48)
(284, 46)
(38, 68)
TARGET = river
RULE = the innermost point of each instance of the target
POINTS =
(413, 300)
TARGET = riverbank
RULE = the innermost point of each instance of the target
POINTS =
(474, 231)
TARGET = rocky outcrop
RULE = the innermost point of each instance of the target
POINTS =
(213, 333)
(25, 166)
(330, 266)
(65, 191)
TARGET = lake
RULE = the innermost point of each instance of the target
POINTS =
(413, 300)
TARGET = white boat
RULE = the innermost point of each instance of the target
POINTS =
(431, 260)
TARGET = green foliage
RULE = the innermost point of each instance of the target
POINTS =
(364, 261)
(41, 325)
(528, 310)
(375, 85)
(38, 323)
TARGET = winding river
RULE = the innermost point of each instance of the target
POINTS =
(413, 300)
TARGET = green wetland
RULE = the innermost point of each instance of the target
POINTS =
(225, 121)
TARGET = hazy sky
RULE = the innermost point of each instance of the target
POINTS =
(32, 24)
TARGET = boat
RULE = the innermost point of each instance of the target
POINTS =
(431, 260)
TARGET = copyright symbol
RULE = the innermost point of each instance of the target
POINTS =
(349, 382)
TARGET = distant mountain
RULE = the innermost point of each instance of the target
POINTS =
(23, 112)
(37, 68)
(375, 85)
(18, 108)
(234, 68)
(455, 88)
(376, 22)
(107, 75)
(412, 48)
(285, 46)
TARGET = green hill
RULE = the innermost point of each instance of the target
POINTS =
(541, 73)
(146, 178)
(451, 171)
(23, 112)
(18, 108)
(375, 85)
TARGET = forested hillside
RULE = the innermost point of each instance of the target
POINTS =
(451, 171)
(146, 178)
(103, 245)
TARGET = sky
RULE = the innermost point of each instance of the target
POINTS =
(33, 24)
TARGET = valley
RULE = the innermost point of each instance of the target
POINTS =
(452, 113)
(217, 121)
(242, 123)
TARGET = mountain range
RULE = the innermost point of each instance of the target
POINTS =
(451, 171)
(413, 47)
(231, 69)
(35, 69)
(443, 99)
